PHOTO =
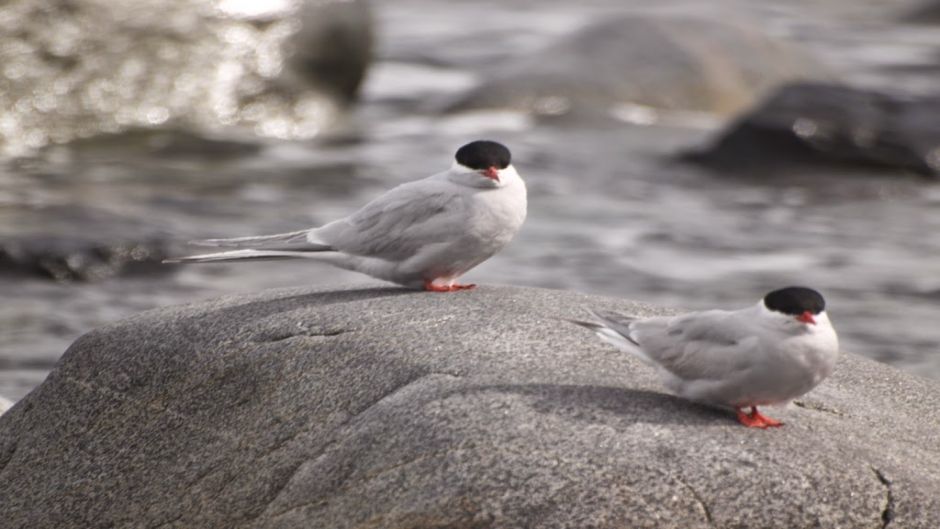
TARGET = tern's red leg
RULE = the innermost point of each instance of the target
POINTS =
(431, 287)
(755, 419)
(768, 422)
(747, 420)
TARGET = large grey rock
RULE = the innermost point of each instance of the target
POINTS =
(380, 407)
(81, 68)
(719, 65)
(807, 124)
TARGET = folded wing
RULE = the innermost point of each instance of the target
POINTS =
(398, 224)
(704, 345)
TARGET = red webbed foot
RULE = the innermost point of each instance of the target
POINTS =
(431, 287)
(755, 419)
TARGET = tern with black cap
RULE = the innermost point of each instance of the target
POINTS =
(422, 234)
(769, 353)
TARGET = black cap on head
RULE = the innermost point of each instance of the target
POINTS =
(483, 154)
(795, 301)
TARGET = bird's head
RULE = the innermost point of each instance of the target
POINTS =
(484, 163)
(800, 305)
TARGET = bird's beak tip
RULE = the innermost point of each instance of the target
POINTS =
(807, 317)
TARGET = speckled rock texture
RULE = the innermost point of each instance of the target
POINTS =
(384, 408)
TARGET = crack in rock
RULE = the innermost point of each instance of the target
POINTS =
(698, 498)
(275, 337)
(815, 406)
(372, 476)
(282, 486)
(887, 514)
(8, 457)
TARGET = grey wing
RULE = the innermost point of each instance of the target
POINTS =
(702, 345)
(399, 223)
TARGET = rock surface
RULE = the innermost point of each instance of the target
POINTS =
(281, 69)
(667, 62)
(812, 123)
(380, 407)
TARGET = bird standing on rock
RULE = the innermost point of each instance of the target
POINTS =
(422, 234)
(770, 353)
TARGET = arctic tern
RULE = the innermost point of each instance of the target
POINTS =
(422, 234)
(770, 353)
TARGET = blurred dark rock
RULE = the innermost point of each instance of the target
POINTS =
(333, 48)
(667, 62)
(72, 243)
(71, 259)
(926, 13)
(811, 123)
(387, 408)
(77, 69)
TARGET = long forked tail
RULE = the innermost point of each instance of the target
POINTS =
(616, 330)
(291, 241)
(295, 244)
(241, 255)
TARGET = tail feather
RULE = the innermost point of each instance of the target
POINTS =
(291, 241)
(619, 324)
(239, 255)
(615, 329)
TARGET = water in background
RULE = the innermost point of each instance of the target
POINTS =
(609, 211)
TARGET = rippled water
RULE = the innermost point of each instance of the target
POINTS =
(610, 212)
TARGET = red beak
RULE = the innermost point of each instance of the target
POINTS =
(491, 172)
(807, 317)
